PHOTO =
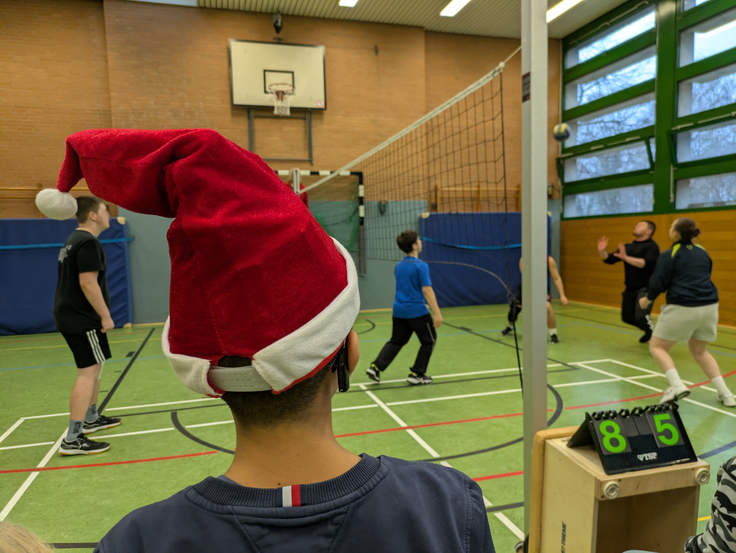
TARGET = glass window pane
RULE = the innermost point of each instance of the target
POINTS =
(708, 91)
(708, 38)
(706, 142)
(624, 117)
(687, 4)
(632, 157)
(632, 199)
(713, 191)
(619, 33)
(621, 75)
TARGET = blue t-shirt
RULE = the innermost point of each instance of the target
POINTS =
(411, 274)
(381, 505)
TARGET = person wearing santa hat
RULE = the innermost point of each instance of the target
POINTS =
(262, 303)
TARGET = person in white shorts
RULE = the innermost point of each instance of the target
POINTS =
(691, 313)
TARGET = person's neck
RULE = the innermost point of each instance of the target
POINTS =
(92, 230)
(642, 239)
(413, 254)
(291, 454)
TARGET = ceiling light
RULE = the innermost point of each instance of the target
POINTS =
(348, 3)
(453, 7)
(558, 9)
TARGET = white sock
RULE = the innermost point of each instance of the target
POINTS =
(673, 377)
(720, 385)
(552, 331)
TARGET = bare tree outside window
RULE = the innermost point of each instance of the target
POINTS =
(633, 199)
(712, 191)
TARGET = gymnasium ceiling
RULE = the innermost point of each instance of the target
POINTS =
(499, 18)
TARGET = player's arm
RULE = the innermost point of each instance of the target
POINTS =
(93, 293)
(431, 300)
(634, 261)
(557, 279)
(661, 279)
(603, 254)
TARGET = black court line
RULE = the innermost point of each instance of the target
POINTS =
(73, 545)
(180, 428)
(496, 508)
(556, 415)
(108, 397)
(718, 450)
(373, 325)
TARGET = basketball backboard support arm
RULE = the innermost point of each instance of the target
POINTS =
(252, 116)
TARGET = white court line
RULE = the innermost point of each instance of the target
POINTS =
(209, 424)
(635, 382)
(14, 500)
(9, 431)
(474, 373)
(129, 407)
(463, 396)
(500, 516)
(649, 372)
(105, 437)
(24, 445)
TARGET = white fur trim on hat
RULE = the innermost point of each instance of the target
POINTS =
(292, 357)
(56, 204)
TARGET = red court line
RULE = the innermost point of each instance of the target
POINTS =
(495, 476)
(109, 464)
(707, 381)
(614, 401)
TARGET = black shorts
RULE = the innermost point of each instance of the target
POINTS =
(89, 348)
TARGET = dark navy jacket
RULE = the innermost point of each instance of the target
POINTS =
(380, 505)
(684, 272)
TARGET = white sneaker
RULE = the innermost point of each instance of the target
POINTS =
(727, 399)
(675, 392)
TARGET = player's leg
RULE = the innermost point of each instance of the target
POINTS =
(514, 310)
(400, 333)
(552, 324)
(628, 307)
(660, 350)
(707, 331)
(675, 324)
(642, 317)
(93, 420)
(424, 328)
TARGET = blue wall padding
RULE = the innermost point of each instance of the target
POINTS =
(473, 257)
(28, 276)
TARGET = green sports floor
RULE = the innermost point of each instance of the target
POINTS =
(471, 415)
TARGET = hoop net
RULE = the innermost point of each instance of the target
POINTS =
(282, 93)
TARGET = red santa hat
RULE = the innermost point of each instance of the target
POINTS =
(252, 272)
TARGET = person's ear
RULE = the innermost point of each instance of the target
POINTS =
(353, 351)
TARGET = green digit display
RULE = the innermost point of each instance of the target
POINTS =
(662, 427)
(612, 432)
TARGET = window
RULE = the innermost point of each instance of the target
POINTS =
(706, 142)
(618, 34)
(632, 157)
(709, 38)
(688, 4)
(621, 75)
(632, 199)
(624, 117)
(708, 91)
(713, 191)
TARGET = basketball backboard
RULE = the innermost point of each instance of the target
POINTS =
(256, 65)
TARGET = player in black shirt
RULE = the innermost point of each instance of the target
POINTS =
(82, 315)
(640, 259)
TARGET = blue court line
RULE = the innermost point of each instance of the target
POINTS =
(74, 365)
(721, 449)
(464, 247)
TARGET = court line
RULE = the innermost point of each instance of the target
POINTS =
(27, 484)
(492, 371)
(500, 516)
(24, 445)
(66, 346)
(119, 381)
(660, 374)
(9, 431)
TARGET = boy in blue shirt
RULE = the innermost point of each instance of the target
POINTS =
(410, 314)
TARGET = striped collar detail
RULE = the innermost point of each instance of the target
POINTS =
(291, 496)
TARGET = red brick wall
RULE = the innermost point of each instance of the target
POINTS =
(68, 65)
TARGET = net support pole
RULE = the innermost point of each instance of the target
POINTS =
(362, 260)
(534, 227)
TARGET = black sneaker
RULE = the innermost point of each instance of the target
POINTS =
(373, 372)
(506, 331)
(415, 379)
(553, 338)
(101, 423)
(82, 446)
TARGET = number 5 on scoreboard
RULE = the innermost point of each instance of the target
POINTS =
(665, 429)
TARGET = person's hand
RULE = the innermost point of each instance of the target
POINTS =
(602, 243)
(438, 321)
(621, 253)
(644, 302)
(107, 324)
(563, 300)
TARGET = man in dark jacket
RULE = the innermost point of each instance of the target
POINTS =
(640, 258)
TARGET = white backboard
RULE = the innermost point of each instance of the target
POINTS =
(255, 65)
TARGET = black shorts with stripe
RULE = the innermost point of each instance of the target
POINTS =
(89, 348)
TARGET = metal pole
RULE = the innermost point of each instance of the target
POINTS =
(534, 226)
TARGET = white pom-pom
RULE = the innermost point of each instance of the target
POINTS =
(56, 204)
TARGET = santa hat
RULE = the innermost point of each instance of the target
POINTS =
(252, 272)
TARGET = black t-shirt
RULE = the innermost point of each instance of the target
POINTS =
(82, 253)
(634, 277)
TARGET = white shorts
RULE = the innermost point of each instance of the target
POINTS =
(678, 323)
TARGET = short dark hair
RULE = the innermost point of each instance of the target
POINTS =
(651, 225)
(687, 229)
(406, 240)
(264, 409)
(87, 205)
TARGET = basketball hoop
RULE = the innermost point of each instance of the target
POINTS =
(282, 94)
